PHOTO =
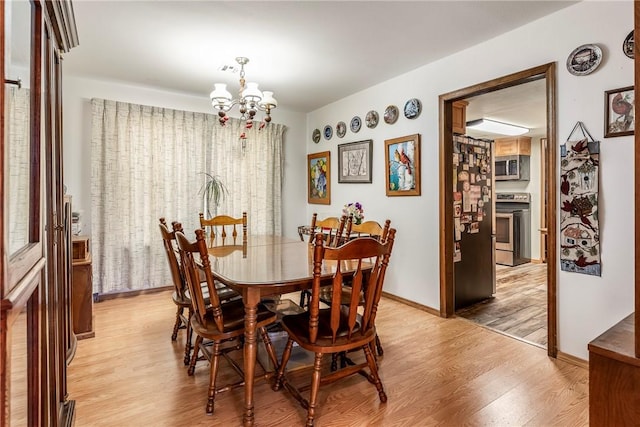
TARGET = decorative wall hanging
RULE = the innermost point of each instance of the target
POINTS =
(354, 162)
(315, 136)
(371, 119)
(391, 114)
(328, 132)
(319, 178)
(412, 108)
(402, 161)
(628, 44)
(341, 129)
(579, 181)
(619, 112)
(355, 124)
(584, 59)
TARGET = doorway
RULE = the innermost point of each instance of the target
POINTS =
(545, 73)
(517, 304)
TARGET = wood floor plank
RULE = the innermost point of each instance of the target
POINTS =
(436, 372)
(519, 306)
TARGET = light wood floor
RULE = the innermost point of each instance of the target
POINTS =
(519, 308)
(436, 372)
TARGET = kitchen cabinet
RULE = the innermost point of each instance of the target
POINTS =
(459, 114)
(513, 146)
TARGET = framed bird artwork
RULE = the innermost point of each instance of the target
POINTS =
(402, 161)
(619, 111)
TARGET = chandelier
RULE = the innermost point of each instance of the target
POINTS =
(250, 99)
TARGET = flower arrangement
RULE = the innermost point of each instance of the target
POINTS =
(354, 210)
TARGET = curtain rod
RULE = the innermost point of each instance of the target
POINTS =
(17, 82)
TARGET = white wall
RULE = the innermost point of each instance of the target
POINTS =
(586, 305)
(77, 93)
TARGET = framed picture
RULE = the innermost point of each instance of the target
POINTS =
(319, 178)
(354, 162)
(618, 112)
(402, 161)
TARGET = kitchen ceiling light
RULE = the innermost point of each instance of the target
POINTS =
(488, 125)
(250, 99)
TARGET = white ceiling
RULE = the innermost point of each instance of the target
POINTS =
(522, 105)
(310, 53)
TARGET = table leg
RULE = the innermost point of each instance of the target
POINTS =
(251, 298)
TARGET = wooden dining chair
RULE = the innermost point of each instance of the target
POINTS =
(223, 226)
(365, 229)
(180, 294)
(372, 229)
(332, 228)
(223, 232)
(339, 328)
(221, 322)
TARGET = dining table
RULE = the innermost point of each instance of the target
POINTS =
(265, 266)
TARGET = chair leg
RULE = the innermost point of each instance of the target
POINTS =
(269, 347)
(315, 385)
(285, 358)
(194, 356)
(379, 346)
(334, 362)
(187, 346)
(303, 295)
(177, 324)
(213, 372)
(371, 361)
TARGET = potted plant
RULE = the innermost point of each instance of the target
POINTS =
(212, 191)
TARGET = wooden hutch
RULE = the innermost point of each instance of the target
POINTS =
(36, 338)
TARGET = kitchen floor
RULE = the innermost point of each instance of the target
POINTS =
(519, 308)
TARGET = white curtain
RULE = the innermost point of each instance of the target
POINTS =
(148, 162)
(18, 103)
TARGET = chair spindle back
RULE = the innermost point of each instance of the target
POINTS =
(177, 276)
(188, 252)
(346, 258)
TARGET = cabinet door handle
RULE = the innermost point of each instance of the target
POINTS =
(58, 227)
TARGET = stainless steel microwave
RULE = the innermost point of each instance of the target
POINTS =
(512, 168)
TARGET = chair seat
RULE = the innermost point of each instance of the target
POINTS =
(297, 325)
(345, 295)
(224, 293)
(233, 318)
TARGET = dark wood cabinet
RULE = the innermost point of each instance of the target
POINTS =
(82, 298)
(36, 337)
(614, 375)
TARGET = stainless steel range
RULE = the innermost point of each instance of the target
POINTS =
(513, 228)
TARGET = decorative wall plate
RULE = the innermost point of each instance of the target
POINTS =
(371, 119)
(341, 129)
(328, 132)
(627, 46)
(412, 108)
(316, 135)
(391, 114)
(356, 123)
(584, 60)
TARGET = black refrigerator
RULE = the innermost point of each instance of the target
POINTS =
(473, 210)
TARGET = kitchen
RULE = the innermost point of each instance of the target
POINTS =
(507, 277)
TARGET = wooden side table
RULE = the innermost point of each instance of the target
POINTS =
(82, 298)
